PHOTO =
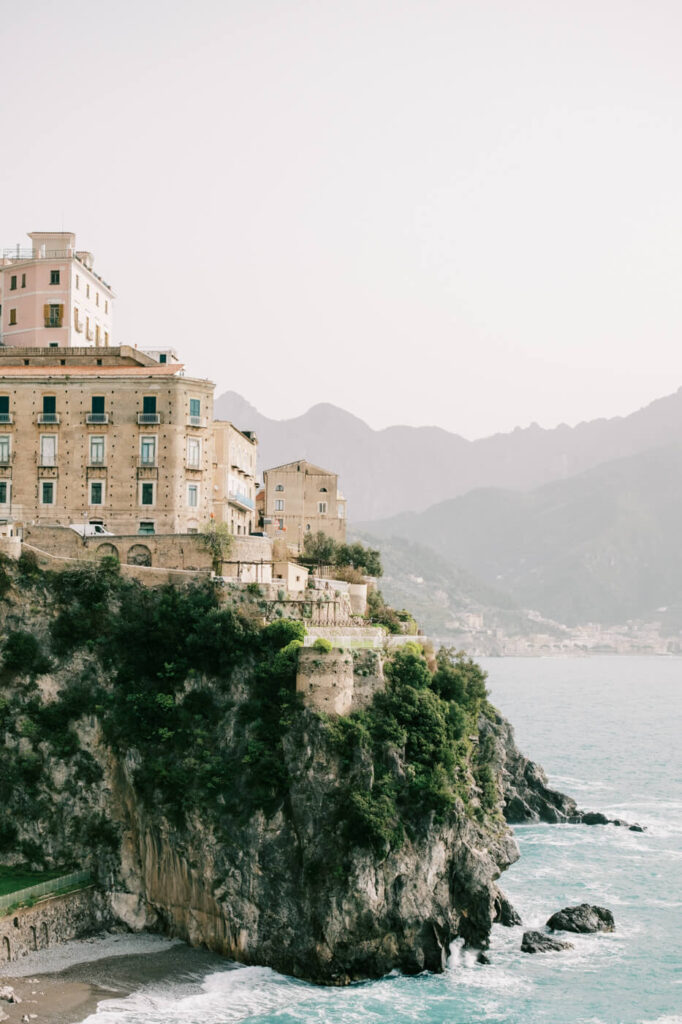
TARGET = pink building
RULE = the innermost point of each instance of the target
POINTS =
(50, 296)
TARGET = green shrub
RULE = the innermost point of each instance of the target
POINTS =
(22, 654)
(27, 564)
(322, 644)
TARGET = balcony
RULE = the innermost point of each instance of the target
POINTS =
(96, 470)
(195, 421)
(97, 417)
(147, 418)
(193, 467)
(241, 500)
(147, 469)
(49, 417)
(6, 417)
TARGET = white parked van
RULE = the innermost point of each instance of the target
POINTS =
(90, 530)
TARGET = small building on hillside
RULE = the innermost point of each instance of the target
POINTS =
(302, 499)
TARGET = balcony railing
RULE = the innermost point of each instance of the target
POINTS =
(238, 498)
(97, 417)
(47, 461)
(195, 421)
(6, 417)
(49, 417)
(147, 462)
(148, 417)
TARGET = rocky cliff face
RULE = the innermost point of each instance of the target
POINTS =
(279, 893)
(219, 810)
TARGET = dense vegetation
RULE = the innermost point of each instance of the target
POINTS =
(418, 736)
(200, 696)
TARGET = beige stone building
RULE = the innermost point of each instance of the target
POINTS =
(117, 437)
(51, 296)
(300, 499)
(234, 488)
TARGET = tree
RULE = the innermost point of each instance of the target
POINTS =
(357, 556)
(319, 547)
(218, 540)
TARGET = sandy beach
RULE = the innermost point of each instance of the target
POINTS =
(64, 984)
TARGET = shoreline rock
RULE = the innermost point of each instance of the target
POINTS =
(538, 942)
(583, 919)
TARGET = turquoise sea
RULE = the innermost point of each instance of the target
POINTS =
(609, 732)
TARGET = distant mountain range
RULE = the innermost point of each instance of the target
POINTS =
(603, 546)
(401, 469)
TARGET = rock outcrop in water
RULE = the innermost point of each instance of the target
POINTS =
(527, 794)
(538, 942)
(156, 738)
(583, 919)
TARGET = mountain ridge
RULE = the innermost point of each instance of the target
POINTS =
(402, 468)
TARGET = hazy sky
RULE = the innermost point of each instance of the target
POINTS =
(457, 213)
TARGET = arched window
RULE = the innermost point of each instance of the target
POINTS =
(279, 487)
(323, 490)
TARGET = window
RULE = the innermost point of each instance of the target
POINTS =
(106, 337)
(163, 357)
(193, 452)
(97, 298)
(146, 494)
(106, 305)
(4, 449)
(195, 407)
(12, 317)
(96, 492)
(4, 492)
(279, 505)
(76, 320)
(78, 281)
(48, 450)
(53, 313)
(149, 404)
(97, 450)
(54, 277)
(87, 291)
(4, 409)
(148, 451)
(23, 280)
(322, 508)
(47, 492)
(13, 283)
(146, 527)
(341, 511)
(49, 404)
(279, 487)
(97, 334)
(323, 490)
(97, 403)
(192, 495)
(280, 524)
(307, 527)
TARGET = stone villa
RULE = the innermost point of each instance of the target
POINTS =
(301, 499)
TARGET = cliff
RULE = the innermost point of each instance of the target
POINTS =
(156, 737)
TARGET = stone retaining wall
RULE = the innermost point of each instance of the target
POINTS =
(53, 920)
